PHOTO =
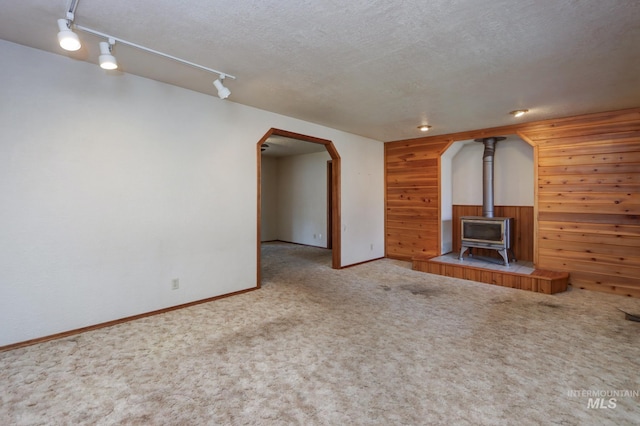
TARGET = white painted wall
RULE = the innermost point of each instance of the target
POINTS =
(113, 185)
(302, 199)
(294, 199)
(446, 197)
(269, 199)
(512, 179)
(359, 207)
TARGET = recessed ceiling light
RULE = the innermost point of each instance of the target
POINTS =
(519, 112)
(424, 128)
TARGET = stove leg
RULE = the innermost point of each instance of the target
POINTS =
(505, 256)
(462, 250)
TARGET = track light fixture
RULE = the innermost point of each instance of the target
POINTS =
(66, 37)
(223, 92)
(106, 59)
(69, 41)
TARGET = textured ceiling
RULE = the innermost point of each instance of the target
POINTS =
(377, 69)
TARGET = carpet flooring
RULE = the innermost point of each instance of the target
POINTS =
(374, 344)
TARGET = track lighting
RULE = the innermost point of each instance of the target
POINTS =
(66, 37)
(106, 59)
(69, 41)
(223, 92)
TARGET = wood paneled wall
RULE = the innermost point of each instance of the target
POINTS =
(587, 197)
(412, 216)
(522, 229)
(588, 200)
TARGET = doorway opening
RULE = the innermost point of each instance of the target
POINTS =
(333, 193)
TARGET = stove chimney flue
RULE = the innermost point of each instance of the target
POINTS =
(487, 173)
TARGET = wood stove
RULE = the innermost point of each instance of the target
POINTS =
(487, 232)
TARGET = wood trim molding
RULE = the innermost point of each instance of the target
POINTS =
(336, 233)
(439, 238)
(299, 136)
(259, 212)
(118, 321)
(524, 137)
(386, 220)
(336, 218)
(362, 263)
(536, 206)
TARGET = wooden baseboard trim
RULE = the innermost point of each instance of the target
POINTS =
(298, 244)
(361, 263)
(118, 321)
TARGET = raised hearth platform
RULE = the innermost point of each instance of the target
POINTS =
(520, 275)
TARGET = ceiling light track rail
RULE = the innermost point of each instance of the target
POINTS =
(71, 12)
(155, 52)
(69, 41)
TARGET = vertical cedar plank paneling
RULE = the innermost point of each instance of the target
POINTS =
(412, 199)
(588, 199)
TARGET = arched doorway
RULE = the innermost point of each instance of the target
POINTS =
(334, 191)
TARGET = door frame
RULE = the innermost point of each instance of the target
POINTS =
(330, 204)
(336, 240)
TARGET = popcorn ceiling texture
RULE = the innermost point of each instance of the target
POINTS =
(376, 69)
(376, 343)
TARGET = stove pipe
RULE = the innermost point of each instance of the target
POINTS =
(487, 173)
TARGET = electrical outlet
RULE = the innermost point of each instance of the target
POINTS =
(371, 248)
(175, 284)
(320, 236)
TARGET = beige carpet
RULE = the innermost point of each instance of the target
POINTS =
(372, 344)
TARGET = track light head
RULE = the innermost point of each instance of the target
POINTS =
(67, 39)
(106, 59)
(223, 92)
